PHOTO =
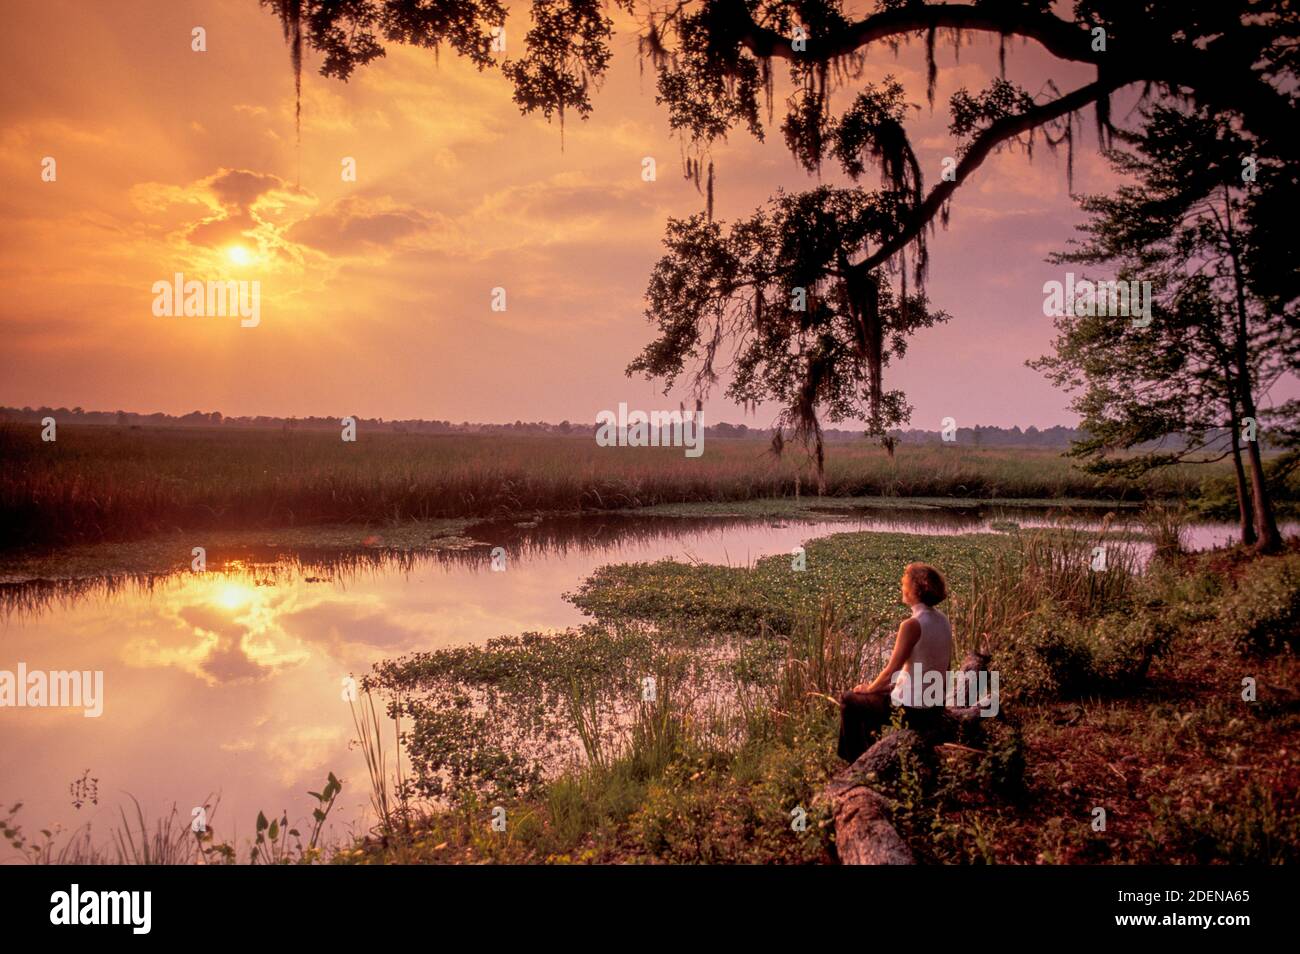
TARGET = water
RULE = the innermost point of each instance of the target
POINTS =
(230, 683)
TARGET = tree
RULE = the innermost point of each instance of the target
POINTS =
(808, 332)
(1191, 370)
(714, 59)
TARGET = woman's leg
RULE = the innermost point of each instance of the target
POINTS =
(861, 715)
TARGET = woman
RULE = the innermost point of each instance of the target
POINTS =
(925, 639)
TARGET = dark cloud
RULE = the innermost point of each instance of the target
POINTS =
(241, 187)
(229, 663)
(354, 225)
(237, 190)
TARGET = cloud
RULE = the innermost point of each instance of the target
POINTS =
(355, 225)
(240, 188)
(228, 662)
(230, 205)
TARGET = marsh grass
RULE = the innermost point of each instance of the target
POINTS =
(388, 801)
(1166, 526)
(1038, 567)
(109, 483)
(823, 658)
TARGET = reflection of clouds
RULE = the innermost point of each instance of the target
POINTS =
(228, 662)
(196, 629)
(181, 648)
(273, 628)
(343, 627)
(301, 754)
(210, 619)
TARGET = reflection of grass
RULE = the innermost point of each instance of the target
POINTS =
(106, 483)
(169, 840)
(172, 839)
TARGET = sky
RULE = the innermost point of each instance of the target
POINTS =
(376, 294)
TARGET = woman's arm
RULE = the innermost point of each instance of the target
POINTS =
(908, 633)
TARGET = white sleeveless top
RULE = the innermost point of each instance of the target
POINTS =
(933, 651)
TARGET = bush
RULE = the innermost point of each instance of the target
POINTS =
(1059, 654)
(1263, 613)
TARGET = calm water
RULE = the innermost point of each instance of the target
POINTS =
(230, 683)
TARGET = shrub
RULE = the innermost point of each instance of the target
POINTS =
(1060, 654)
(1263, 613)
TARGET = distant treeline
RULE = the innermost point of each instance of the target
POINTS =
(978, 436)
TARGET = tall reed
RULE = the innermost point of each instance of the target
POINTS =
(389, 808)
(1084, 571)
(1167, 526)
(823, 657)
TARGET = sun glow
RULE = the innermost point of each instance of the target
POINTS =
(232, 596)
(239, 255)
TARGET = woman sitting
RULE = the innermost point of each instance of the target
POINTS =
(925, 641)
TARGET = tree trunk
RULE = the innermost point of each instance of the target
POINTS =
(1244, 504)
(1270, 541)
(864, 832)
(821, 463)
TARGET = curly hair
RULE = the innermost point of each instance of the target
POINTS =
(926, 583)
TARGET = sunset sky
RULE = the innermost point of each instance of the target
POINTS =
(375, 294)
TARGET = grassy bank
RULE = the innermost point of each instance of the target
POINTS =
(111, 484)
(1123, 693)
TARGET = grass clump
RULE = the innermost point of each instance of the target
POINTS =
(1261, 614)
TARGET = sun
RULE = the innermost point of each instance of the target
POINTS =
(239, 255)
(233, 596)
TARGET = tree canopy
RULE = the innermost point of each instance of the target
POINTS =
(1218, 335)
(715, 62)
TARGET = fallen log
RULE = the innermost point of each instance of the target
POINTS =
(864, 831)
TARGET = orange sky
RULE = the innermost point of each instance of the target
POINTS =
(375, 294)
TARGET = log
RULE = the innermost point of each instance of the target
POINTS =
(864, 832)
